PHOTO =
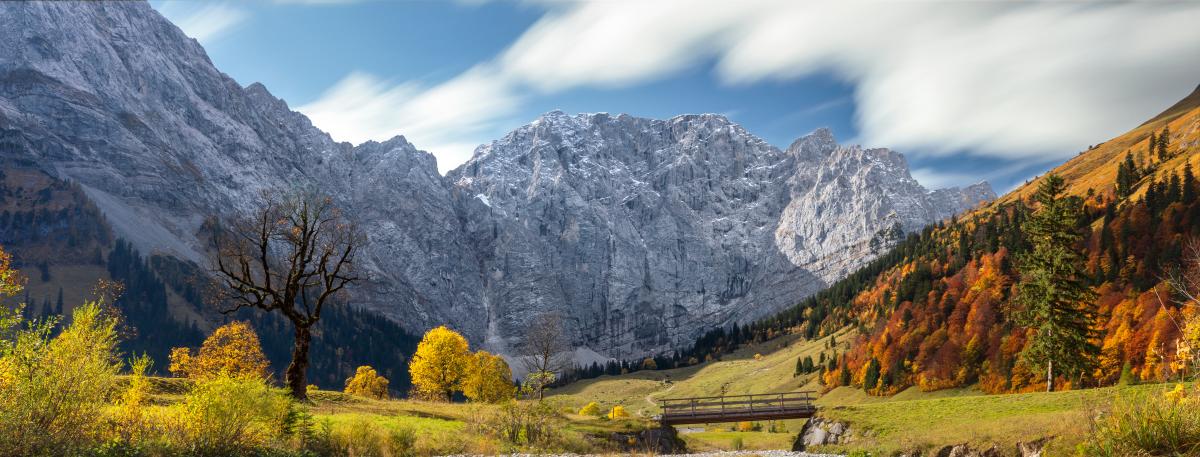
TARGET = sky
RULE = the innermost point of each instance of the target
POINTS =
(967, 91)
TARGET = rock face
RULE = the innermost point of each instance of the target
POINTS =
(115, 97)
(644, 232)
(641, 232)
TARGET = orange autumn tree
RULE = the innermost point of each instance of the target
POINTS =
(232, 350)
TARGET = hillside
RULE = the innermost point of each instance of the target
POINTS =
(911, 419)
(934, 311)
(1096, 168)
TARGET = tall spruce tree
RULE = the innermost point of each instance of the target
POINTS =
(1052, 293)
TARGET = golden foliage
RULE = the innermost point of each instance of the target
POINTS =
(487, 378)
(439, 363)
(367, 383)
(55, 388)
(232, 350)
(590, 409)
(618, 412)
(224, 415)
(11, 281)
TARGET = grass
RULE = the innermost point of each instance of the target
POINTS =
(910, 419)
(724, 440)
(439, 428)
(934, 419)
(737, 373)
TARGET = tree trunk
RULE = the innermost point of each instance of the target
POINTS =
(294, 376)
(1049, 376)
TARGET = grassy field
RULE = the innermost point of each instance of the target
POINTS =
(908, 420)
(880, 425)
(934, 419)
(439, 428)
(737, 373)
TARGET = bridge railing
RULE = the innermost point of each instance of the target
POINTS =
(737, 405)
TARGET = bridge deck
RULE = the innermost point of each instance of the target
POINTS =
(736, 408)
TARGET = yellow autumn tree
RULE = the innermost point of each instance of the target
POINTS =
(487, 378)
(367, 383)
(590, 409)
(439, 363)
(232, 350)
(618, 412)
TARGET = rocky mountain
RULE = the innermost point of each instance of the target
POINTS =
(641, 232)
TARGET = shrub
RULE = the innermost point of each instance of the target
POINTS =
(1142, 424)
(227, 415)
(55, 388)
(487, 378)
(736, 443)
(617, 412)
(362, 437)
(522, 423)
(366, 383)
(233, 350)
(748, 427)
(590, 409)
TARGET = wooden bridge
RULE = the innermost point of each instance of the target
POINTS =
(737, 408)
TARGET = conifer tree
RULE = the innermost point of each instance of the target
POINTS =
(871, 379)
(1052, 292)
(1163, 140)
(1189, 184)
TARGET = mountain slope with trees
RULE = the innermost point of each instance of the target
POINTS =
(946, 313)
(940, 310)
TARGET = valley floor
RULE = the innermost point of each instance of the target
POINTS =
(879, 425)
(906, 421)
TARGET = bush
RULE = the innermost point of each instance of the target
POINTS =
(366, 383)
(226, 415)
(618, 412)
(1147, 424)
(590, 409)
(736, 443)
(522, 423)
(55, 389)
(233, 350)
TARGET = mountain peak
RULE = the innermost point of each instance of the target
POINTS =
(814, 146)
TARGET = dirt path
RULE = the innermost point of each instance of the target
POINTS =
(650, 398)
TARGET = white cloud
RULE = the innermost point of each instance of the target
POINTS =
(441, 118)
(204, 22)
(1002, 79)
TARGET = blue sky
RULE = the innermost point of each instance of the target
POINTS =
(968, 91)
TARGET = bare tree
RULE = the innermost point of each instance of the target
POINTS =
(293, 255)
(542, 351)
(1185, 284)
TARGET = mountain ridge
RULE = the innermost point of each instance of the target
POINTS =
(114, 97)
